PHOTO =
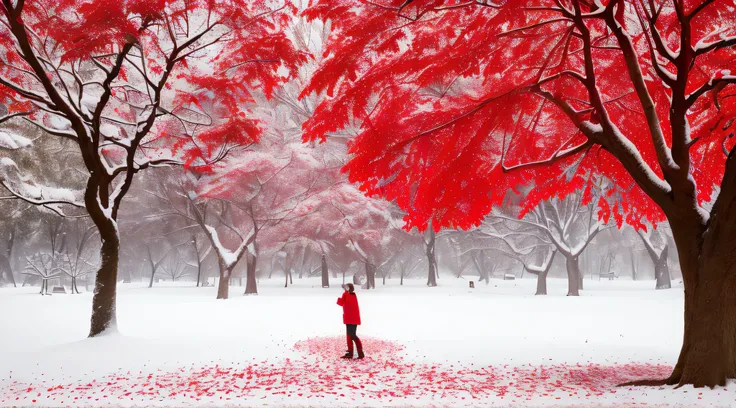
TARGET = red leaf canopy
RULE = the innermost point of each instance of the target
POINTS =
(191, 65)
(458, 102)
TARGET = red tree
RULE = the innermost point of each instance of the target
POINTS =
(133, 84)
(460, 101)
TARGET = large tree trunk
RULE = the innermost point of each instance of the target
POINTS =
(705, 250)
(105, 292)
(251, 286)
(370, 276)
(431, 259)
(542, 283)
(708, 354)
(223, 286)
(573, 275)
(325, 273)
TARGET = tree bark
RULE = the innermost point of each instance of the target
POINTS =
(431, 259)
(580, 278)
(370, 275)
(632, 258)
(708, 354)
(223, 286)
(153, 267)
(251, 286)
(662, 271)
(542, 283)
(153, 274)
(573, 275)
(705, 249)
(104, 299)
(325, 273)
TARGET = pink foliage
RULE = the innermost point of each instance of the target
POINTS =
(314, 372)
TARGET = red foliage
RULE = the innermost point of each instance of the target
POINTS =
(315, 372)
(460, 102)
(197, 61)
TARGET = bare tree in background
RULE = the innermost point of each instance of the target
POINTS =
(78, 254)
(567, 225)
(175, 268)
(655, 241)
(157, 262)
(202, 250)
(42, 266)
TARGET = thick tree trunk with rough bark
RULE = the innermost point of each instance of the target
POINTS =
(251, 285)
(573, 275)
(708, 355)
(104, 299)
(705, 249)
(325, 273)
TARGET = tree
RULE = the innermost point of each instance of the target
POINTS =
(266, 184)
(204, 213)
(566, 225)
(129, 83)
(42, 266)
(199, 255)
(6, 257)
(77, 256)
(162, 259)
(535, 91)
(655, 242)
(175, 268)
(430, 240)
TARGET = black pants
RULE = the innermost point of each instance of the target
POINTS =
(351, 329)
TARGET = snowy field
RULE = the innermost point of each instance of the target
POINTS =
(496, 345)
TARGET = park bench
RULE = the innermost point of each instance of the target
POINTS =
(609, 275)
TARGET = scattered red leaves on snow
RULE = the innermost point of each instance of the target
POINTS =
(316, 371)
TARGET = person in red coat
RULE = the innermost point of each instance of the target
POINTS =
(351, 318)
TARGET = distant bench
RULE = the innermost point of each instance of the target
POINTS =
(609, 275)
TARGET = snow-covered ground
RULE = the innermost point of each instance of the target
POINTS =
(495, 345)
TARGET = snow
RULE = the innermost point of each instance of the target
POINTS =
(11, 140)
(228, 257)
(495, 345)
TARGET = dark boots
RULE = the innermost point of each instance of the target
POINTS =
(358, 343)
(349, 353)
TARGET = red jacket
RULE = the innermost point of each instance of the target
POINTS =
(350, 309)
